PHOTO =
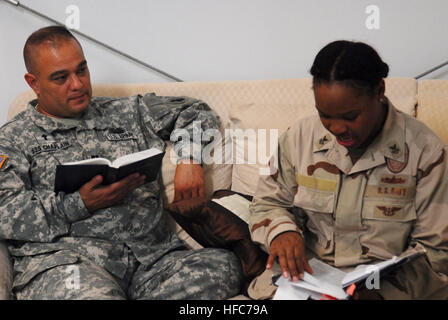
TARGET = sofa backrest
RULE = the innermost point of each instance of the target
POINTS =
(433, 106)
(247, 105)
(226, 95)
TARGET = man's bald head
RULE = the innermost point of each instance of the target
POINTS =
(52, 36)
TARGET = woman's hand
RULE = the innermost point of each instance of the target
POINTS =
(289, 249)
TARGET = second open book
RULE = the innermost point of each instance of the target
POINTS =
(329, 282)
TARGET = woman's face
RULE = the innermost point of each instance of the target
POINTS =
(354, 119)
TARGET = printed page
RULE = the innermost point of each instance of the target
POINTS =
(134, 157)
(93, 161)
(325, 279)
(236, 204)
(326, 273)
(286, 291)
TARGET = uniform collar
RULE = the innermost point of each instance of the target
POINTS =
(49, 124)
(390, 143)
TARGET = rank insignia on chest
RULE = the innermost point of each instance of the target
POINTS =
(395, 151)
(2, 160)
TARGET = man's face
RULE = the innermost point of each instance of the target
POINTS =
(352, 118)
(61, 79)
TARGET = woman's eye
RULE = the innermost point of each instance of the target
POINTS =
(351, 117)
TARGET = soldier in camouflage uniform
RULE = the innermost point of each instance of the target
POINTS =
(360, 183)
(101, 242)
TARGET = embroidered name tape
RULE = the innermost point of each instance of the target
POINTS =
(36, 149)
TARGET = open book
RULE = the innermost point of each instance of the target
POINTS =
(327, 281)
(71, 176)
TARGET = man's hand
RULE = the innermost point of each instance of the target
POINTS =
(96, 196)
(188, 181)
(289, 249)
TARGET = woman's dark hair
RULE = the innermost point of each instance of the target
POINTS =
(354, 64)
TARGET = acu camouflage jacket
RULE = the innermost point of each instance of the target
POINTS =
(36, 221)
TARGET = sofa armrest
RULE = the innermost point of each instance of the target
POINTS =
(5, 273)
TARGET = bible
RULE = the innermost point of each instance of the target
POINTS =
(71, 176)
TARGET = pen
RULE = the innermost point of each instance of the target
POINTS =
(351, 290)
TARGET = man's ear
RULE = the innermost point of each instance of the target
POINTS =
(31, 79)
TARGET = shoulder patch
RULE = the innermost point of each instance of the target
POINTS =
(2, 160)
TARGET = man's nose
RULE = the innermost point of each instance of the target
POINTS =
(75, 82)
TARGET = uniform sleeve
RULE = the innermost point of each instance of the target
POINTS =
(28, 214)
(182, 120)
(426, 277)
(269, 214)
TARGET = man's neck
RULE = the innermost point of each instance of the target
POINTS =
(41, 110)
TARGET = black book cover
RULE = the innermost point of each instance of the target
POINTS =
(69, 178)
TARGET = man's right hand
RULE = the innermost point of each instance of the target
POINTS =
(96, 196)
(289, 249)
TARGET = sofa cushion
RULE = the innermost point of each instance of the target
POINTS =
(402, 92)
(432, 106)
(269, 109)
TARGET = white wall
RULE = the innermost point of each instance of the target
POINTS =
(207, 40)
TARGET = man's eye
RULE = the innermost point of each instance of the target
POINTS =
(82, 70)
(60, 79)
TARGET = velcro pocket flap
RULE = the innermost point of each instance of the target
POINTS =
(33, 265)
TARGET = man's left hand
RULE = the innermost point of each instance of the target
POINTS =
(188, 181)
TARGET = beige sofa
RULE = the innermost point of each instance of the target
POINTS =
(256, 107)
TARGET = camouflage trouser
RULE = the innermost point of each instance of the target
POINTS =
(199, 274)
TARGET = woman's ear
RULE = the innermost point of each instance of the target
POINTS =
(381, 90)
